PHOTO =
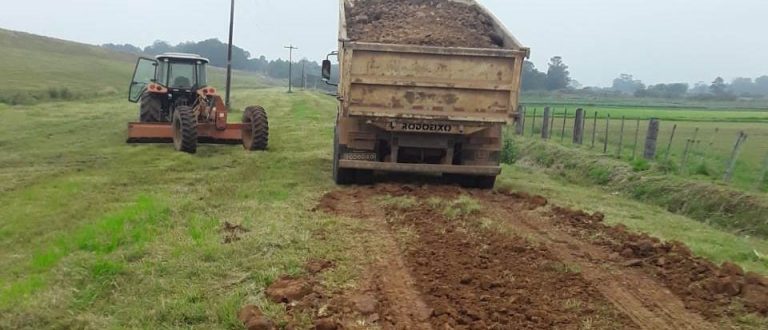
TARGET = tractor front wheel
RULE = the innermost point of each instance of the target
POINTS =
(185, 129)
(255, 129)
(151, 108)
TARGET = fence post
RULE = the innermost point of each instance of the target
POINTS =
(671, 138)
(520, 124)
(565, 119)
(594, 130)
(651, 139)
(734, 156)
(607, 127)
(621, 138)
(578, 127)
(695, 140)
(552, 123)
(684, 164)
(533, 123)
(637, 138)
(545, 127)
(764, 175)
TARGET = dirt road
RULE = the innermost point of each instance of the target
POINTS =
(466, 259)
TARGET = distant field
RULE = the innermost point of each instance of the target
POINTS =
(36, 68)
(708, 156)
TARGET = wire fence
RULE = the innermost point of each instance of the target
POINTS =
(731, 152)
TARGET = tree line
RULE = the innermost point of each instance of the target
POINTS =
(216, 52)
(718, 89)
(556, 77)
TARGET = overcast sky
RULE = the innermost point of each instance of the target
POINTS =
(656, 40)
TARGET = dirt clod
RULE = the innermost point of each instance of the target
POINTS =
(253, 319)
(326, 324)
(287, 290)
(440, 23)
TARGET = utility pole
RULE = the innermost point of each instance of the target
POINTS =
(290, 67)
(303, 75)
(229, 53)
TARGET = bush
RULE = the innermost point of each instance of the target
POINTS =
(667, 166)
(702, 169)
(600, 175)
(640, 165)
(509, 152)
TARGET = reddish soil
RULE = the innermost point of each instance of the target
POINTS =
(441, 23)
(702, 285)
(519, 263)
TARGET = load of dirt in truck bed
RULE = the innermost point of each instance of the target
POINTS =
(442, 23)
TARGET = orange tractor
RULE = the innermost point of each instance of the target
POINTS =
(177, 105)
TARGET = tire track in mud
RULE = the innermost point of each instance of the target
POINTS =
(516, 263)
(648, 304)
(468, 277)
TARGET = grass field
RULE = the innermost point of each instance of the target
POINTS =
(100, 234)
(708, 157)
(36, 68)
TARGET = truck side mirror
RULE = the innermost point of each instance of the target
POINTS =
(326, 70)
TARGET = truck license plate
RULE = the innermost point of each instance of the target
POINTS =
(419, 127)
(366, 156)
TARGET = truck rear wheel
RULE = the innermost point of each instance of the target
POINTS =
(342, 176)
(185, 129)
(255, 129)
(151, 108)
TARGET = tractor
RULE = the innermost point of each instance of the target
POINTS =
(177, 105)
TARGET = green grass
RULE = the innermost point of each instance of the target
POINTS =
(36, 68)
(97, 233)
(708, 156)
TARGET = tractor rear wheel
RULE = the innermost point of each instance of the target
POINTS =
(151, 109)
(255, 129)
(185, 129)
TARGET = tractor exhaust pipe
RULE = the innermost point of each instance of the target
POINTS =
(229, 54)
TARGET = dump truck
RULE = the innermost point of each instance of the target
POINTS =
(422, 104)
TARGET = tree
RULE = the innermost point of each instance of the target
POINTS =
(558, 76)
(125, 48)
(533, 79)
(627, 84)
(761, 85)
(718, 87)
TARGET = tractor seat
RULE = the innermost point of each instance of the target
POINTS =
(181, 82)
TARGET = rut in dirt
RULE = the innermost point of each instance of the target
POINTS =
(513, 261)
(470, 277)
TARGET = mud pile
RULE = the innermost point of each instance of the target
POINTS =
(442, 23)
(703, 286)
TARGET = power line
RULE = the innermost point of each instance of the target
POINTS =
(290, 67)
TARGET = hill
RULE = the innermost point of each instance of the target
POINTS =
(36, 68)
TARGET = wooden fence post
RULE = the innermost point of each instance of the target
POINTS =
(621, 139)
(671, 138)
(552, 123)
(520, 124)
(607, 127)
(565, 119)
(734, 156)
(578, 127)
(533, 123)
(764, 175)
(684, 164)
(545, 126)
(594, 130)
(637, 139)
(651, 139)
